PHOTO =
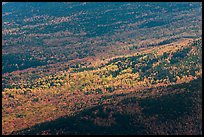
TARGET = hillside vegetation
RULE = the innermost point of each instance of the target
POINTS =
(72, 91)
(176, 114)
(37, 34)
(101, 68)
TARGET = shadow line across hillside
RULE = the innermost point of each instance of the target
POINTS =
(169, 114)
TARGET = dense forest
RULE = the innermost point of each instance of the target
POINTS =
(101, 68)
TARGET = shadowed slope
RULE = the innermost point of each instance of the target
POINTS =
(178, 113)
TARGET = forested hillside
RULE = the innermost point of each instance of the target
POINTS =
(75, 90)
(101, 68)
(42, 33)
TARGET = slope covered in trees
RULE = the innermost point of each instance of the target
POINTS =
(75, 90)
(86, 68)
(178, 112)
(44, 33)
